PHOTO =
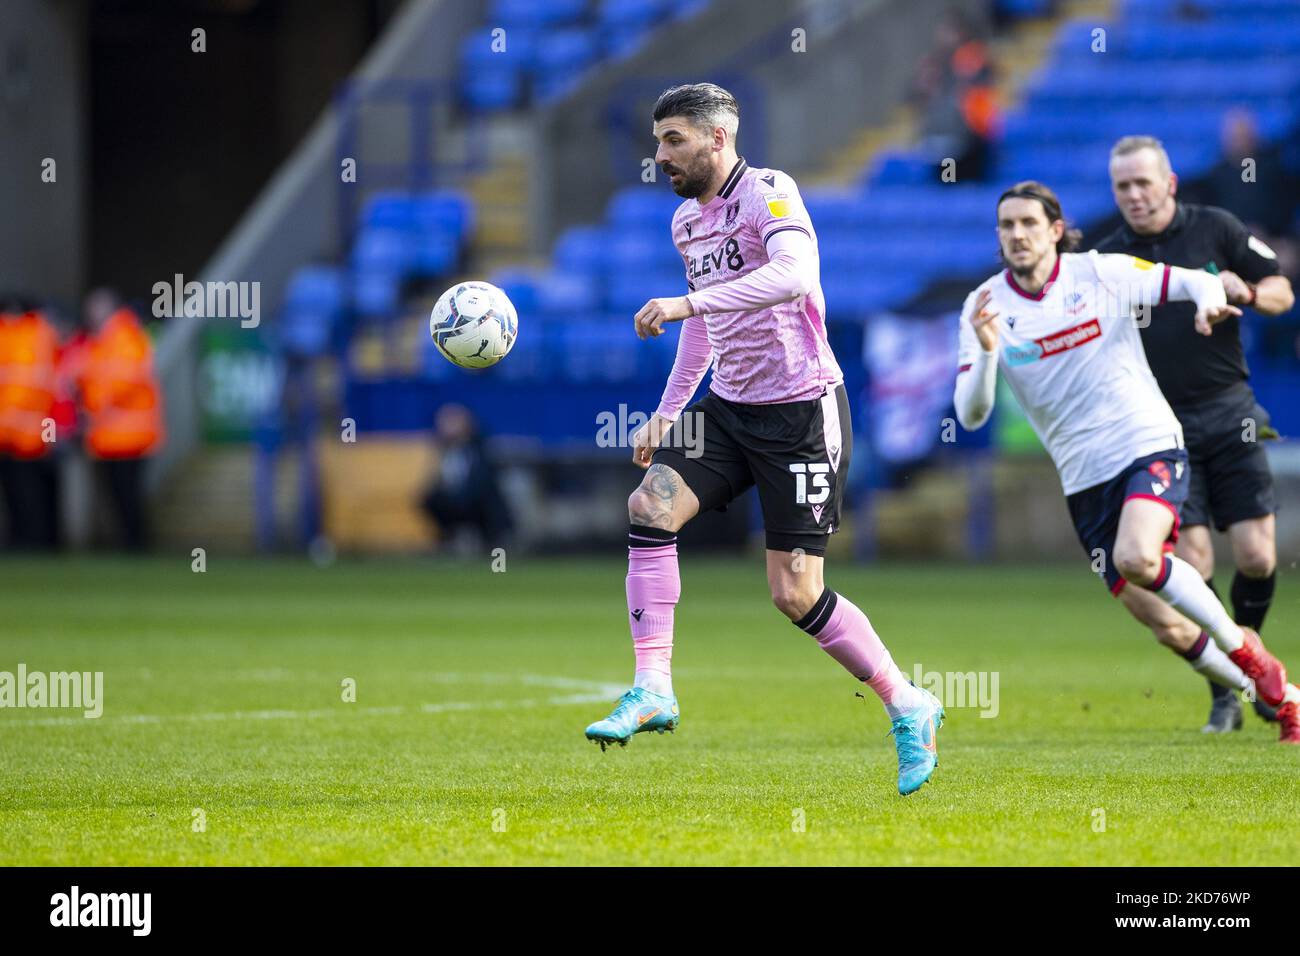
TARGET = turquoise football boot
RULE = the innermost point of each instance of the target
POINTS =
(914, 735)
(638, 711)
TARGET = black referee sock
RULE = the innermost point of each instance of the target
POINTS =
(1251, 599)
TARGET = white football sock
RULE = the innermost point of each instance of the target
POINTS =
(1187, 593)
(1218, 667)
(656, 682)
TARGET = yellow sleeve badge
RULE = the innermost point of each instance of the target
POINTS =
(778, 204)
(1143, 264)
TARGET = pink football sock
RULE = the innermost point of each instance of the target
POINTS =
(653, 589)
(844, 633)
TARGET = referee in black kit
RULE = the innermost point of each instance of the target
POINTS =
(1205, 380)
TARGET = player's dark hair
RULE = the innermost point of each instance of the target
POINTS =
(706, 104)
(1030, 189)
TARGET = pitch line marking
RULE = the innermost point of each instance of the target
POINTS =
(593, 692)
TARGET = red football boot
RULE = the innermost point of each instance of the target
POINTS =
(1288, 715)
(1262, 667)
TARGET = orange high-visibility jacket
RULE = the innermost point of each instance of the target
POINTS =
(121, 395)
(28, 349)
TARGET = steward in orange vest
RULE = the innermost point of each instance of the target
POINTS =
(28, 352)
(120, 391)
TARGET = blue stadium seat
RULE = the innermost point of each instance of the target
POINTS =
(487, 91)
(521, 285)
(382, 249)
(582, 249)
(531, 13)
(446, 212)
(434, 254)
(565, 50)
(319, 290)
(623, 13)
(627, 292)
(635, 249)
(684, 9)
(649, 205)
(376, 294)
(623, 41)
(567, 294)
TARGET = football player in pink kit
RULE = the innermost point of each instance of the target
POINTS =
(776, 416)
(1063, 328)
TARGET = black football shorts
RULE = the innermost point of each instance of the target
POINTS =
(1231, 479)
(797, 453)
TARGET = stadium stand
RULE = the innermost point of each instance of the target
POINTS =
(553, 44)
(879, 248)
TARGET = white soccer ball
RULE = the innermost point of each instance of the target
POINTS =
(474, 324)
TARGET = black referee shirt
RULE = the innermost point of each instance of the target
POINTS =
(1190, 367)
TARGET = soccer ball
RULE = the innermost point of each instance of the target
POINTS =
(474, 324)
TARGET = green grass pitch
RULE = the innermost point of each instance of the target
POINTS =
(225, 738)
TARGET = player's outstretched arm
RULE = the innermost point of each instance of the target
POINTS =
(977, 375)
(1206, 291)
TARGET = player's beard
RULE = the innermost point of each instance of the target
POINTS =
(695, 175)
(1022, 271)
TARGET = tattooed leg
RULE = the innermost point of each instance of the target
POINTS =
(662, 500)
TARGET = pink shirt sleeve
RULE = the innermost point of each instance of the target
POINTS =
(791, 271)
(693, 357)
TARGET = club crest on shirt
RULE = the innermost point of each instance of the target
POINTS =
(733, 210)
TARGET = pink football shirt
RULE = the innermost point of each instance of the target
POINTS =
(779, 353)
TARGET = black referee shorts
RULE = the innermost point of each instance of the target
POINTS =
(1231, 480)
(797, 453)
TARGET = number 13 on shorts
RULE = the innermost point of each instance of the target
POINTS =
(818, 471)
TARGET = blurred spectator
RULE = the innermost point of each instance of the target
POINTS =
(1250, 179)
(1251, 182)
(28, 353)
(954, 87)
(464, 494)
(123, 408)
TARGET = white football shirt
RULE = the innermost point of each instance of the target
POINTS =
(1073, 356)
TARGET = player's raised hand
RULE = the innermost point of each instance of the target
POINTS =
(1210, 316)
(650, 318)
(647, 438)
(985, 321)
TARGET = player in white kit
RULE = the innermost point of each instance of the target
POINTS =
(1063, 328)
